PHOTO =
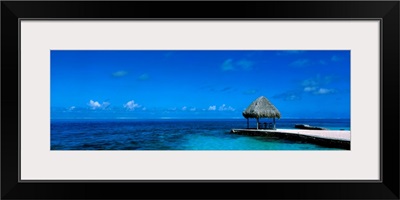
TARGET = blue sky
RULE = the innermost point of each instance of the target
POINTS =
(198, 84)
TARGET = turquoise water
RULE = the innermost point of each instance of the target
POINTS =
(176, 135)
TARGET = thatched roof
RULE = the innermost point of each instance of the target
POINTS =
(261, 108)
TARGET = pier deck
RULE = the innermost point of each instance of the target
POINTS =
(329, 138)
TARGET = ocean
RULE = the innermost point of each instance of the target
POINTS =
(174, 134)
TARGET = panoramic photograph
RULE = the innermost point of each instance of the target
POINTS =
(163, 100)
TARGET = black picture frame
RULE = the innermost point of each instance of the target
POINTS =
(386, 11)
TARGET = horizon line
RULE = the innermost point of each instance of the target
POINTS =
(175, 118)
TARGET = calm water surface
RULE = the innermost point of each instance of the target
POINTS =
(176, 135)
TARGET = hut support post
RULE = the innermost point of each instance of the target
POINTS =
(258, 122)
(274, 123)
(247, 122)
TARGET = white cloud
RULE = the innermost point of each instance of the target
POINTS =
(120, 73)
(144, 77)
(324, 91)
(230, 65)
(212, 108)
(300, 63)
(317, 85)
(131, 105)
(227, 65)
(336, 58)
(144, 108)
(225, 108)
(94, 104)
(184, 108)
(310, 82)
(288, 96)
(292, 98)
(317, 81)
(245, 64)
(309, 89)
(193, 109)
(71, 108)
(316, 90)
(288, 52)
(105, 105)
(249, 92)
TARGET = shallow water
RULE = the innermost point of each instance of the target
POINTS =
(175, 135)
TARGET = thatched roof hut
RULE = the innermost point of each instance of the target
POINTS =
(261, 108)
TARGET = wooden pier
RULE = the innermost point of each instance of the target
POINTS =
(328, 138)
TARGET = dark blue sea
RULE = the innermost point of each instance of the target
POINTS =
(173, 134)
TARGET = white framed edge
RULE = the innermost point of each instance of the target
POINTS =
(38, 37)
